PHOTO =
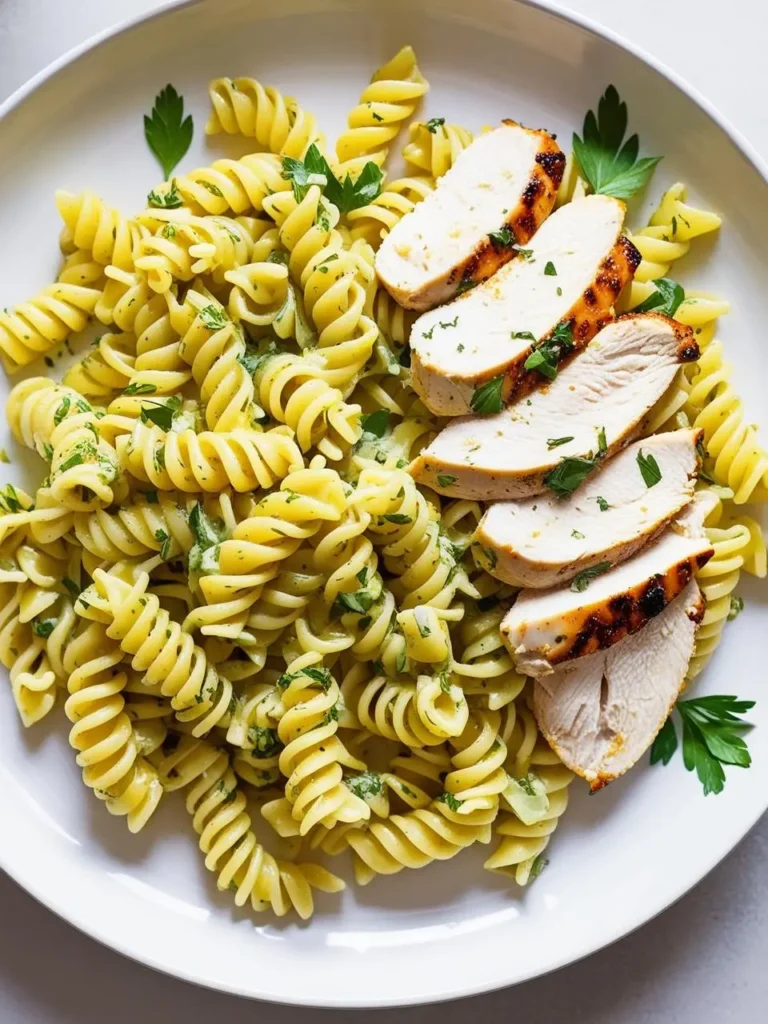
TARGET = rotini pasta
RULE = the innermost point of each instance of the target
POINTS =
(243, 106)
(229, 572)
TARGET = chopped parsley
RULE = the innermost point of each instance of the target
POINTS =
(546, 356)
(444, 480)
(555, 442)
(549, 269)
(581, 580)
(433, 124)
(487, 399)
(569, 474)
(649, 469)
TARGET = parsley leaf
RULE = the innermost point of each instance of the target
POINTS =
(213, 318)
(165, 541)
(43, 627)
(62, 410)
(649, 469)
(170, 200)
(450, 800)
(444, 480)
(315, 170)
(487, 398)
(359, 601)
(140, 389)
(502, 239)
(602, 503)
(666, 299)
(167, 131)
(736, 607)
(609, 164)
(581, 580)
(546, 356)
(711, 738)
(264, 740)
(555, 442)
(433, 124)
(549, 269)
(397, 517)
(161, 413)
(523, 336)
(569, 474)
(376, 423)
(367, 784)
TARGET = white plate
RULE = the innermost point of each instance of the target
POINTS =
(619, 857)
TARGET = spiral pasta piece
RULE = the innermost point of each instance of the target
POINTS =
(735, 457)
(291, 390)
(137, 530)
(107, 368)
(210, 461)
(739, 545)
(183, 245)
(102, 731)
(213, 346)
(126, 291)
(435, 145)
(666, 239)
(242, 106)
(165, 656)
(229, 186)
(159, 368)
(23, 653)
(32, 328)
(384, 105)
(422, 559)
(410, 840)
(313, 755)
(89, 224)
(335, 283)
(63, 428)
(519, 854)
(219, 816)
(252, 556)
(373, 222)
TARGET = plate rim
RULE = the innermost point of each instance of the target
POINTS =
(70, 915)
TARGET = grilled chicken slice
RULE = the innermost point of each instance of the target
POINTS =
(600, 713)
(545, 628)
(610, 386)
(576, 265)
(545, 541)
(505, 181)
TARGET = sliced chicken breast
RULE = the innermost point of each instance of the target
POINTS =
(610, 388)
(576, 265)
(546, 540)
(545, 628)
(505, 182)
(600, 713)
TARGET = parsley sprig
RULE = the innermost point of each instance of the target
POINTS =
(347, 195)
(609, 163)
(167, 131)
(711, 738)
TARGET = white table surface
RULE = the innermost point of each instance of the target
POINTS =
(704, 959)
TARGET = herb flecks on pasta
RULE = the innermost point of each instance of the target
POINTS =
(228, 570)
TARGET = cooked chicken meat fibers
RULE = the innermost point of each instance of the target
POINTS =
(496, 194)
(547, 540)
(600, 713)
(570, 274)
(599, 400)
(602, 605)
